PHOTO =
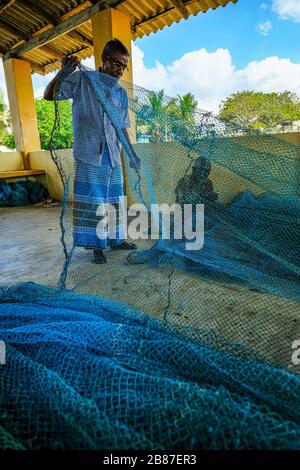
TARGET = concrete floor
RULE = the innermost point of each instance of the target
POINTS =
(29, 245)
(31, 251)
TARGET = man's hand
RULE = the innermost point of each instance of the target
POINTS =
(137, 162)
(69, 64)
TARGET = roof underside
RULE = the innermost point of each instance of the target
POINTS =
(23, 20)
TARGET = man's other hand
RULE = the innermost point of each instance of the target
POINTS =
(69, 64)
(136, 163)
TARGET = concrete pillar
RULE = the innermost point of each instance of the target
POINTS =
(107, 25)
(22, 107)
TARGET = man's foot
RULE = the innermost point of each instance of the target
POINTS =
(99, 257)
(124, 246)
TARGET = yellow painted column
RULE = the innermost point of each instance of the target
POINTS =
(22, 107)
(107, 25)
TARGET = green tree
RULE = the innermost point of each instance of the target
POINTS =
(63, 137)
(181, 118)
(260, 110)
(9, 140)
(187, 106)
(4, 118)
(2, 121)
(152, 115)
(45, 110)
(165, 118)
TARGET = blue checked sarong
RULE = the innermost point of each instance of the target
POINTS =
(95, 186)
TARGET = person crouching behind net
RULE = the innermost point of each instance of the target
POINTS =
(97, 148)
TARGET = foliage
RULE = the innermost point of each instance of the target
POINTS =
(45, 120)
(165, 119)
(4, 118)
(161, 119)
(261, 110)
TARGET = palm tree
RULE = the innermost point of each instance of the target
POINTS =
(166, 118)
(152, 114)
(182, 113)
(187, 106)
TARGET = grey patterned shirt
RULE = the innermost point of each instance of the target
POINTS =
(92, 129)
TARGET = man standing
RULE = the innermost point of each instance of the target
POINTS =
(97, 148)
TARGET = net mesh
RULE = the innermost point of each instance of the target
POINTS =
(172, 345)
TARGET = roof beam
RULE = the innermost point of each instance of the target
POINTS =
(8, 28)
(49, 50)
(75, 10)
(52, 20)
(62, 28)
(180, 6)
(68, 55)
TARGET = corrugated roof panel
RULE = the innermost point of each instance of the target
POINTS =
(147, 16)
(128, 10)
(86, 29)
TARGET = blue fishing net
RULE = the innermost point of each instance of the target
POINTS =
(165, 346)
(84, 372)
(21, 193)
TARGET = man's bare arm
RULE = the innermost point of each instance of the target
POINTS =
(68, 66)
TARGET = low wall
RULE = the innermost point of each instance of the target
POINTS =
(11, 161)
(292, 137)
(165, 167)
(166, 162)
(43, 160)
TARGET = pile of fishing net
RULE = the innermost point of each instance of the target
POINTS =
(21, 193)
(85, 372)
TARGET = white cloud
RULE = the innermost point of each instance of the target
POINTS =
(211, 76)
(271, 74)
(264, 27)
(207, 75)
(287, 9)
(264, 6)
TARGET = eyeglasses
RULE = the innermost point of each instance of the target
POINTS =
(117, 64)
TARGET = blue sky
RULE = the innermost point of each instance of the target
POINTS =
(250, 45)
(234, 27)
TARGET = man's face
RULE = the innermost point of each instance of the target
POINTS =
(115, 65)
